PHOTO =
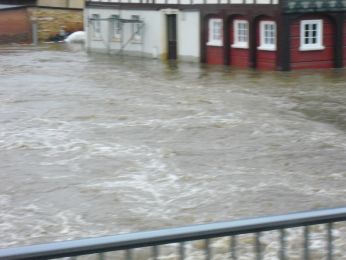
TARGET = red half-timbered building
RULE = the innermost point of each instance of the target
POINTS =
(262, 34)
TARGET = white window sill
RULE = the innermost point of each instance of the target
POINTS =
(266, 48)
(311, 48)
(96, 37)
(215, 43)
(116, 39)
(240, 46)
(136, 41)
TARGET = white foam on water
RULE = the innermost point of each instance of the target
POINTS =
(65, 224)
(173, 149)
(197, 120)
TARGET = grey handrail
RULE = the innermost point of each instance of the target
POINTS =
(173, 235)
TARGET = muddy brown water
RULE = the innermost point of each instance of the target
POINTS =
(94, 145)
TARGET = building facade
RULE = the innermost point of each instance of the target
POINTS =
(62, 3)
(53, 16)
(262, 34)
(49, 17)
(15, 25)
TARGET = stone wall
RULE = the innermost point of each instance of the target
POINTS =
(51, 20)
(62, 3)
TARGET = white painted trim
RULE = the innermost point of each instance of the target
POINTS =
(137, 35)
(265, 46)
(236, 43)
(214, 43)
(169, 11)
(312, 48)
(114, 26)
(315, 46)
(240, 46)
(96, 27)
(211, 40)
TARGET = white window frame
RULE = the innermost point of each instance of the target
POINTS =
(213, 24)
(96, 26)
(237, 43)
(136, 30)
(264, 45)
(319, 35)
(116, 28)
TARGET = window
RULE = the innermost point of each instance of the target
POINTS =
(136, 29)
(311, 34)
(115, 27)
(241, 34)
(96, 26)
(267, 36)
(215, 32)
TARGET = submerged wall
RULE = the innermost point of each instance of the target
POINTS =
(153, 40)
(15, 26)
(51, 20)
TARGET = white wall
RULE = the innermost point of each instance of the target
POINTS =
(150, 42)
(154, 41)
(189, 35)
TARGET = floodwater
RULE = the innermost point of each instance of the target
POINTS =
(94, 145)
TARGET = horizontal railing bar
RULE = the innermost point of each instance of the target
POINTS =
(173, 235)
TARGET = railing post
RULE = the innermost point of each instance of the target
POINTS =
(128, 254)
(282, 244)
(330, 241)
(182, 251)
(306, 243)
(233, 247)
(258, 246)
(155, 252)
(207, 250)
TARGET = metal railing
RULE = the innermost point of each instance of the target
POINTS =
(181, 235)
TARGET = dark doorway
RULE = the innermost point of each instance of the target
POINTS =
(172, 36)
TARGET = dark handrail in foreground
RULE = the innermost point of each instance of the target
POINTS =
(173, 235)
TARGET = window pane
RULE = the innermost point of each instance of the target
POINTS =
(96, 23)
(268, 34)
(136, 27)
(215, 30)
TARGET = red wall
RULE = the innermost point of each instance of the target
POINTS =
(215, 54)
(265, 60)
(312, 59)
(344, 39)
(238, 57)
(14, 26)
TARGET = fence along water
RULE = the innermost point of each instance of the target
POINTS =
(182, 235)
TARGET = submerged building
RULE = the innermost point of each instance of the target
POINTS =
(263, 34)
(22, 21)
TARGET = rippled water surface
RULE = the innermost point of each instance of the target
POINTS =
(92, 145)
